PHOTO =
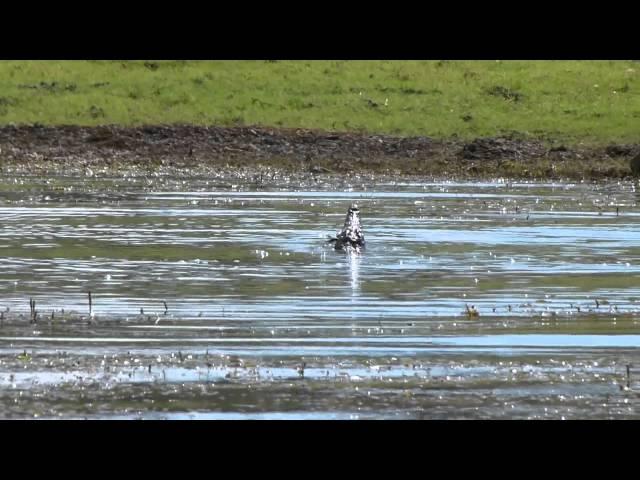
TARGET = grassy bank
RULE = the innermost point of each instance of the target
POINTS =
(594, 102)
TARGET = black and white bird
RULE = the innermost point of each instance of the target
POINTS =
(350, 238)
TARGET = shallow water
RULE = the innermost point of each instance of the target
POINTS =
(215, 300)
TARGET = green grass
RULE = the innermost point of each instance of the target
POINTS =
(572, 101)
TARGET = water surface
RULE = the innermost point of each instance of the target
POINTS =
(215, 300)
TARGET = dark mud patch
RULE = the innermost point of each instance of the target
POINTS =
(188, 149)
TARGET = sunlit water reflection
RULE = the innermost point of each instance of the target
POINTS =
(202, 268)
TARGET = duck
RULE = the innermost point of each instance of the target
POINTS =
(351, 237)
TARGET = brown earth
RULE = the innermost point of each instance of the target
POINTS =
(192, 149)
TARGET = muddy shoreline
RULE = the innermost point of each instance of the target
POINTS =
(198, 150)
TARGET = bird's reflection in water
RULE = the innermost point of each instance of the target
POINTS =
(354, 259)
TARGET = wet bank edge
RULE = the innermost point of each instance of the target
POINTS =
(189, 150)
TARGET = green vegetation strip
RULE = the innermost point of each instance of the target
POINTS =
(588, 102)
